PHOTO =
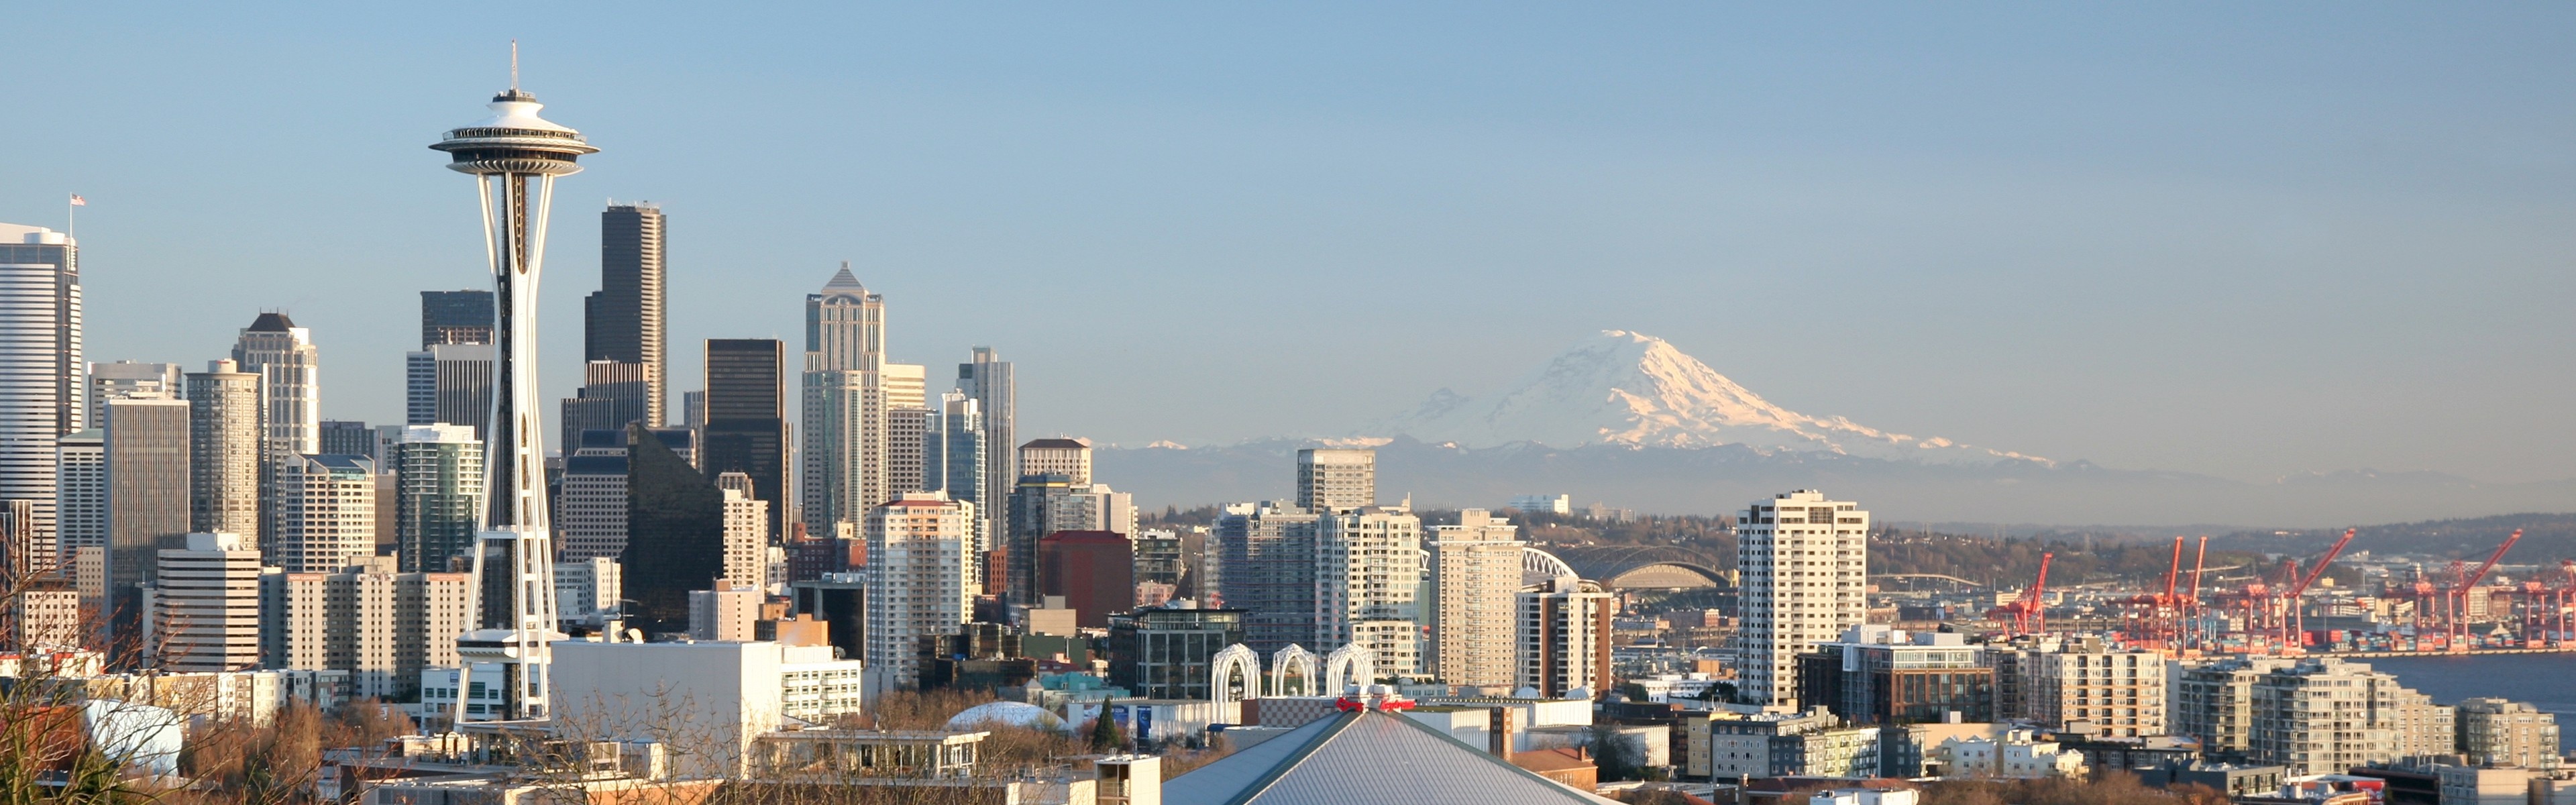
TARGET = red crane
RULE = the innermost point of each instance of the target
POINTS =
(2458, 597)
(2027, 614)
(2296, 624)
(2154, 619)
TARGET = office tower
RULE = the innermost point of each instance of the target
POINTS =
(1070, 458)
(1331, 480)
(920, 580)
(145, 462)
(45, 618)
(674, 533)
(43, 392)
(379, 625)
(1475, 575)
(843, 404)
(224, 443)
(953, 460)
(448, 383)
(1804, 564)
(693, 410)
(142, 381)
(2063, 682)
(439, 485)
(2496, 732)
(1564, 638)
(746, 531)
(590, 516)
(1268, 552)
(514, 157)
(725, 614)
(622, 322)
(345, 438)
(19, 541)
(1368, 583)
(1162, 564)
(1888, 677)
(289, 366)
(1045, 504)
(205, 605)
(455, 317)
(1165, 653)
(326, 513)
(1094, 571)
(80, 500)
(908, 418)
(612, 396)
(746, 428)
(987, 380)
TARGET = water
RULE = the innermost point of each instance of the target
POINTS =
(2547, 681)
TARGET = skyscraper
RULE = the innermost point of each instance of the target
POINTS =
(142, 381)
(439, 493)
(43, 390)
(146, 467)
(843, 404)
(1804, 561)
(1475, 574)
(746, 418)
(919, 580)
(289, 366)
(224, 444)
(326, 513)
(1268, 553)
(622, 322)
(381, 626)
(1333, 480)
(514, 156)
(674, 533)
(987, 380)
(1564, 638)
(448, 383)
(954, 460)
(205, 605)
(746, 533)
(1368, 583)
(907, 429)
(347, 438)
(1070, 458)
(455, 317)
(80, 498)
(613, 395)
(591, 511)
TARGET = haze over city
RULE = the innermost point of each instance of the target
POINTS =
(2244, 242)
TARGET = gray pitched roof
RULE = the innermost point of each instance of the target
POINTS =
(1365, 757)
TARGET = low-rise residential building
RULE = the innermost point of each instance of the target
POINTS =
(2018, 754)
(1809, 744)
(2496, 732)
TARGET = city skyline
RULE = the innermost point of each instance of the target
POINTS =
(2217, 268)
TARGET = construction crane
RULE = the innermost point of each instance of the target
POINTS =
(2457, 600)
(2154, 619)
(2295, 625)
(2027, 614)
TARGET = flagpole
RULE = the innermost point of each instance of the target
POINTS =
(71, 217)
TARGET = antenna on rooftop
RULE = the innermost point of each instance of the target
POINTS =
(514, 65)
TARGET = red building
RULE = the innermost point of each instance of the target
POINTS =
(1095, 571)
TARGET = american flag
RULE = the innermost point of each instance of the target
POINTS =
(77, 201)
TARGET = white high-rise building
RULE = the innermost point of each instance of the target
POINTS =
(289, 366)
(224, 450)
(588, 587)
(1336, 480)
(1070, 458)
(908, 418)
(1475, 575)
(844, 459)
(1804, 564)
(2324, 715)
(326, 513)
(204, 608)
(1563, 633)
(920, 580)
(1368, 583)
(2070, 681)
(746, 532)
(42, 388)
(80, 500)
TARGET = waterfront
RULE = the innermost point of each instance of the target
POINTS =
(2547, 681)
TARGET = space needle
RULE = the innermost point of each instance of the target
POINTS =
(514, 157)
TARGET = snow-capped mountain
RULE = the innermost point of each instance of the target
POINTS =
(1633, 389)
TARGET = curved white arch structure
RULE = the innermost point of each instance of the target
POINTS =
(1234, 658)
(1293, 658)
(1537, 565)
(1352, 664)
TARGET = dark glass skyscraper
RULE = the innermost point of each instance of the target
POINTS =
(455, 317)
(746, 428)
(674, 533)
(623, 320)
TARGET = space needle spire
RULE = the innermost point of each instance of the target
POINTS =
(514, 157)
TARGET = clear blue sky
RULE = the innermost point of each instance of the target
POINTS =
(2237, 239)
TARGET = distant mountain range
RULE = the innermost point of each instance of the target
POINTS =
(1629, 420)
